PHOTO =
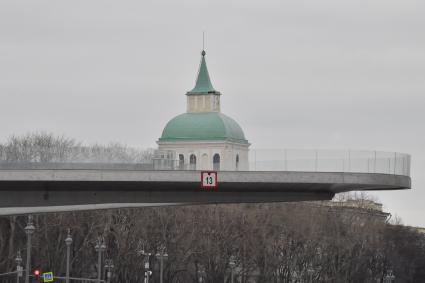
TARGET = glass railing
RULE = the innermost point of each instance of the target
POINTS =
(356, 161)
(298, 160)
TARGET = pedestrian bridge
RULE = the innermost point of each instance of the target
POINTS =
(32, 187)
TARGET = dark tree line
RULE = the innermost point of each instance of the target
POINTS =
(287, 242)
(269, 242)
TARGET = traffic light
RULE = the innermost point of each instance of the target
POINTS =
(37, 274)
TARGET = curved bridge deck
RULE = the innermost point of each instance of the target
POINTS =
(46, 190)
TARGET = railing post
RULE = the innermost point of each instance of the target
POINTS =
(408, 165)
(374, 164)
(403, 159)
(349, 160)
(395, 161)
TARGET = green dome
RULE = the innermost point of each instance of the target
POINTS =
(203, 126)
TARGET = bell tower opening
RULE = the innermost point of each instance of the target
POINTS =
(203, 97)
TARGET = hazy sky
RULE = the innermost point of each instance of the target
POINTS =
(295, 74)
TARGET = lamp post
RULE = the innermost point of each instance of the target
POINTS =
(390, 277)
(68, 242)
(201, 274)
(146, 256)
(161, 255)
(310, 272)
(148, 273)
(296, 277)
(232, 264)
(18, 261)
(100, 247)
(109, 265)
(29, 230)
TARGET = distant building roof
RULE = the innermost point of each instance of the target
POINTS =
(420, 230)
(358, 206)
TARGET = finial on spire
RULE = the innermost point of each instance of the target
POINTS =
(203, 44)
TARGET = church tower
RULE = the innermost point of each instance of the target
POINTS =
(203, 97)
(203, 138)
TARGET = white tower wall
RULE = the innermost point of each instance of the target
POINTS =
(204, 153)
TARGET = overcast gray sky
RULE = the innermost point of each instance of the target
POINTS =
(295, 74)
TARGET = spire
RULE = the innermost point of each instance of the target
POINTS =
(203, 83)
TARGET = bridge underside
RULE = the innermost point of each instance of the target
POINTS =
(50, 190)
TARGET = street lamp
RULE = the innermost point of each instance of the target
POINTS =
(201, 274)
(310, 272)
(19, 268)
(296, 277)
(146, 255)
(148, 273)
(100, 247)
(390, 277)
(232, 264)
(68, 242)
(109, 265)
(29, 230)
(161, 255)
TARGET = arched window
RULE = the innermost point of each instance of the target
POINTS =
(181, 161)
(216, 162)
(237, 162)
(192, 161)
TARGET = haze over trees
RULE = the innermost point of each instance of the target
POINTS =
(285, 242)
(44, 148)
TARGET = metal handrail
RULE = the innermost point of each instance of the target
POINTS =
(297, 160)
(352, 161)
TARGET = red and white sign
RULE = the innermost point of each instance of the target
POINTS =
(209, 180)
